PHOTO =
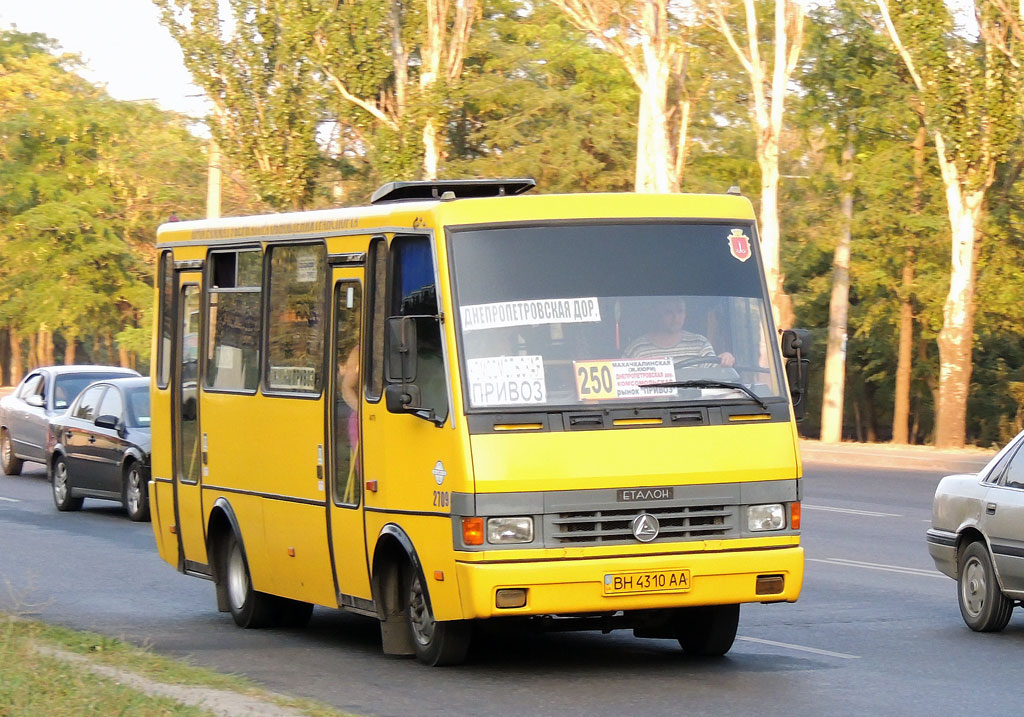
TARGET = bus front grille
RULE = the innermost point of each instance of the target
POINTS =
(615, 526)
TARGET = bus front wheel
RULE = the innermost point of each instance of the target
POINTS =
(249, 607)
(707, 631)
(436, 643)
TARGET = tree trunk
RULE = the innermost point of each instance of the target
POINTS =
(124, 360)
(838, 309)
(17, 367)
(69, 349)
(901, 405)
(213, 177)
(108, 340)
(653, 154)
(957, 334)
(400, 58)
(33, 350)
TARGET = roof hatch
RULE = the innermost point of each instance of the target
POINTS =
(459, 189)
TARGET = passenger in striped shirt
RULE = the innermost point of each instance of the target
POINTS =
(670, 339)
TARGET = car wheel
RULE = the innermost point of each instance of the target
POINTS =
(982, 604)
(436, 643)
(135, 493)
(62, 487)
(8, 461)
(707, 631)
(249, 608)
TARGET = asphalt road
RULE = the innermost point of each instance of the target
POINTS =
(876, 630)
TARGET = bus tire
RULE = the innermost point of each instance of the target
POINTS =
(11, 463)
(707, 631)
(249, 607)
(436, 643)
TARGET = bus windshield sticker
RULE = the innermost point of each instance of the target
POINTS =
(622, 378)
(507, 380)
(739, 244)
(530, 313)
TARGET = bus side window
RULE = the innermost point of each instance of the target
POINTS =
(414, 293)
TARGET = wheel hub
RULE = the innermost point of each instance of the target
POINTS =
(420, 619)
(238, 578)
(974, 587)
(134, 491)
(60, 482)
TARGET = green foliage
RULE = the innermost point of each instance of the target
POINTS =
(255, 65)
(87, 179)
(542, 102)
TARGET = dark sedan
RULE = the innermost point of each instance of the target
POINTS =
(100, 447)
(44, 393)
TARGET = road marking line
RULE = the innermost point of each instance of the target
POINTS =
(9, 500)
(801, 648)
(879, 566)
(871, 513)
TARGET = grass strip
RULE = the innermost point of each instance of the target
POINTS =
(33, 680)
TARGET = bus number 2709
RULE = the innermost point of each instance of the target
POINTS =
(442, 498)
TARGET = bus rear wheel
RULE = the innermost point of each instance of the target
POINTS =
(707, 631)
(436, 643)
(249, 607)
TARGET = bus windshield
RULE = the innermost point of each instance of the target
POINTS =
(578, 314)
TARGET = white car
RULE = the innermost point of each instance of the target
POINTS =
(977, 537)
(44, 393)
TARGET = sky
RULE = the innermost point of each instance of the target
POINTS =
(121, 43)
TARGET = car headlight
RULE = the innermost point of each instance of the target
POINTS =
(501, 531)
(766, 517)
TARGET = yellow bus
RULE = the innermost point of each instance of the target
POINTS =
(467, 402)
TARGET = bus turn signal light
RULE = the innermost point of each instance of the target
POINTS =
(794, 516)
(770, 584)
(473, 531)
(510, 597)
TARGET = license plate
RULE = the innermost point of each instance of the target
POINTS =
(656, 581)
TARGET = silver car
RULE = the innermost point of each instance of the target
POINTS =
(977, 537)
(44, 393)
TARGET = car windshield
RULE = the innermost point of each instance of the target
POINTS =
(67, 386)
(576, 314)
(138, 406)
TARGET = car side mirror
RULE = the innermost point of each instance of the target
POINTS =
(796, 344)
(35, 400)
(108, 421)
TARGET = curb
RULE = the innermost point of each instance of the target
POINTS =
(885, 455)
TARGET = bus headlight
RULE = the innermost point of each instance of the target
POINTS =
(766, 517)
(501, 531)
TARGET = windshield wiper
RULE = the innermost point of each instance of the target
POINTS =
(708, 383)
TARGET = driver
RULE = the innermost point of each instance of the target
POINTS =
(669, 338)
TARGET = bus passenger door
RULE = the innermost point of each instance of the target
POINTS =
(345, 504)
(187, 435)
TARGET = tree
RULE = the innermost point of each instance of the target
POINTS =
(395, 66)
(650, 39)
(848, 79)
(545, 104)
(255, 65)
(970, 90)
(87, 179)
(768, 93)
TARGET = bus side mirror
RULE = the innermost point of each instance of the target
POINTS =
(796, 344)
(402, 349)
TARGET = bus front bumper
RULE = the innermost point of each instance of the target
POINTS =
(589, 585)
